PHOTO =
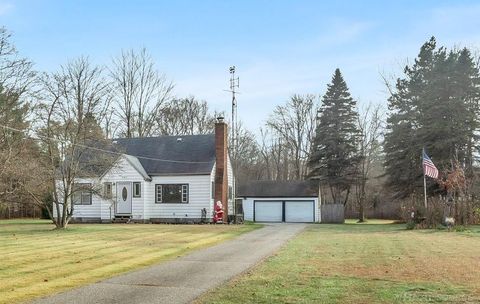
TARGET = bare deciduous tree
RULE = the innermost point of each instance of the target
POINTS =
(264, 149)
(16, 73)
(370, 125)
(139, 91)
(248, 164)
(186, 116)
(272, 150)
(16, 151)
(74, 102)
(17, 154)
(294, 125)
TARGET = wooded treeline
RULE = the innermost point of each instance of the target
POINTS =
(363, 156)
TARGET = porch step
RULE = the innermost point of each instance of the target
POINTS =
(121, 219)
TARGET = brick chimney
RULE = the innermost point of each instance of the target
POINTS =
(221, 177)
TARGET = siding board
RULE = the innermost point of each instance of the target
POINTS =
(199, 197)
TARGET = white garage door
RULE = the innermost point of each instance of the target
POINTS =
(299, 211)
(268, 211)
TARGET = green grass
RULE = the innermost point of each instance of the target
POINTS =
(36, 260)
(373, 262)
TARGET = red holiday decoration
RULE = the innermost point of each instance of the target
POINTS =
(218, 216)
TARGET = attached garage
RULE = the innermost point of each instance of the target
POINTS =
(274, 202)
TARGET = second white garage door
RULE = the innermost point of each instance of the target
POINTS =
(299, 211)
(268, 211)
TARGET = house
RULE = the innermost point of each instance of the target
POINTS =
(162, 179)
(280, 201)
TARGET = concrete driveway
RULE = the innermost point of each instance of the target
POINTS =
(184, 279)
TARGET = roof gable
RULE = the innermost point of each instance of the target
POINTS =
(137, 166)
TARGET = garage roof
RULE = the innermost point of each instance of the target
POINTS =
(307, 188)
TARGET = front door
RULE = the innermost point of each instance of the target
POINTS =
(124, 198)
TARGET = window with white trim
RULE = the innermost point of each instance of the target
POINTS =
(82, 194)
(137, 189)
(184, 193)
(107, 189)
(171, 193)
(158, 194)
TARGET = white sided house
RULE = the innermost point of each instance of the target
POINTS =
(281, 201)
(173, 179)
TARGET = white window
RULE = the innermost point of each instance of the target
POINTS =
(107, 189)
(82, 194)
(86, 198)
(171, 193)
(158, 194)
(137, 189)
(184, 193)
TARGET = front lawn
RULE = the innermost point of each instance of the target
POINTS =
(364, 263)
(36, 260)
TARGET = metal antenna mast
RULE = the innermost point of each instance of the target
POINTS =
(234, 83)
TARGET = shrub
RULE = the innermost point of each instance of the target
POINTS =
(410, 225)
(460, 228)
(464, 211)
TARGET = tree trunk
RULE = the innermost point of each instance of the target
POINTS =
(346, 197)
(361, 211)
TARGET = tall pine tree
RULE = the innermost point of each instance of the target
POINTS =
(401, 144)
(436, 106)
(334, 156)
(467, 92)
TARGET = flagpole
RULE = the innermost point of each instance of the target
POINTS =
(424, 182)
(425, 189)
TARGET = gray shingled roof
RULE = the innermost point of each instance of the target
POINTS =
(195, 154)
(307, 188)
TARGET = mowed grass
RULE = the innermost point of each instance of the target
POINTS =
(36, 260)
(374, 262)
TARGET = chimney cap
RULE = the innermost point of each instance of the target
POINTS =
(220, 118)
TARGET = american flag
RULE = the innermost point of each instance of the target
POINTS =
(429, 168)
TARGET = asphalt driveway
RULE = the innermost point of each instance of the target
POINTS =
(184, 279)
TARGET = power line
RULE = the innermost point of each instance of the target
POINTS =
(40, 137)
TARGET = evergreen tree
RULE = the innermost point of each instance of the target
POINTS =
(467, 90)
(402, 148)
(334, 149)
(436, 106)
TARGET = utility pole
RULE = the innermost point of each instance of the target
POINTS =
(234, 83)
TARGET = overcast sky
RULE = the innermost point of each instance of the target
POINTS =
(279, 47)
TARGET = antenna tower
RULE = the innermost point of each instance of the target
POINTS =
(234, 83)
